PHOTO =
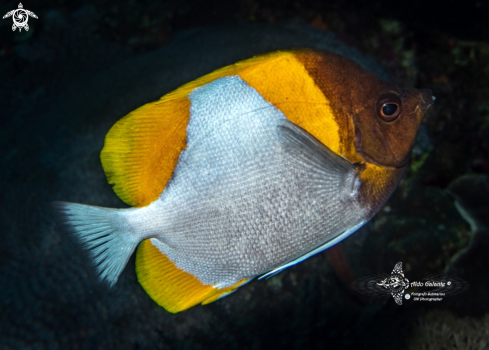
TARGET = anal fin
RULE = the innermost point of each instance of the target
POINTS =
(170, 287)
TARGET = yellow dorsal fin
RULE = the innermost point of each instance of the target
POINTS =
(169, 286)
(141, 150)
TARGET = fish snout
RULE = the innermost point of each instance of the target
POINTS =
(426, 99)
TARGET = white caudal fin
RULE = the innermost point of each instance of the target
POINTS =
(103, 232)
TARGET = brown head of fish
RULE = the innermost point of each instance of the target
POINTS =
(378, 121)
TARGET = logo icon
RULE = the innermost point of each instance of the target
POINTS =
(20, 17)
(396, 283)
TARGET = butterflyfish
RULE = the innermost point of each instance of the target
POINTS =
(246, 171)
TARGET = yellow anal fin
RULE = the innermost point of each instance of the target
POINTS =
(170, 287)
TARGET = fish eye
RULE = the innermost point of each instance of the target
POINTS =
(389, 107)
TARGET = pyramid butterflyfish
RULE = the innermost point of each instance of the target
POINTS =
(246, 171)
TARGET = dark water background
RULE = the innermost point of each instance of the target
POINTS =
(84, 65)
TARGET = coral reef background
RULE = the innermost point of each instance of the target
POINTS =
(83, 65)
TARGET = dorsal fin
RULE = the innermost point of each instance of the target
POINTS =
(141, 150)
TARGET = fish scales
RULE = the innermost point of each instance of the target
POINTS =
(217, 227)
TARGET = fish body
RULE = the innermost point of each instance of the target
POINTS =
(247, 171)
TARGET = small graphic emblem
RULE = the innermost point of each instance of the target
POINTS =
(20, 17)
(396, 283)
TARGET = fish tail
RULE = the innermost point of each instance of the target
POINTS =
(103, 232)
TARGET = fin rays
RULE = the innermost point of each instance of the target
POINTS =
(108, 246)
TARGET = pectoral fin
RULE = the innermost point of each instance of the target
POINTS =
(303, 148)
(334, 173)
(303, 145)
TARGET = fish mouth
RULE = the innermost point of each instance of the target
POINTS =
(426, 99)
